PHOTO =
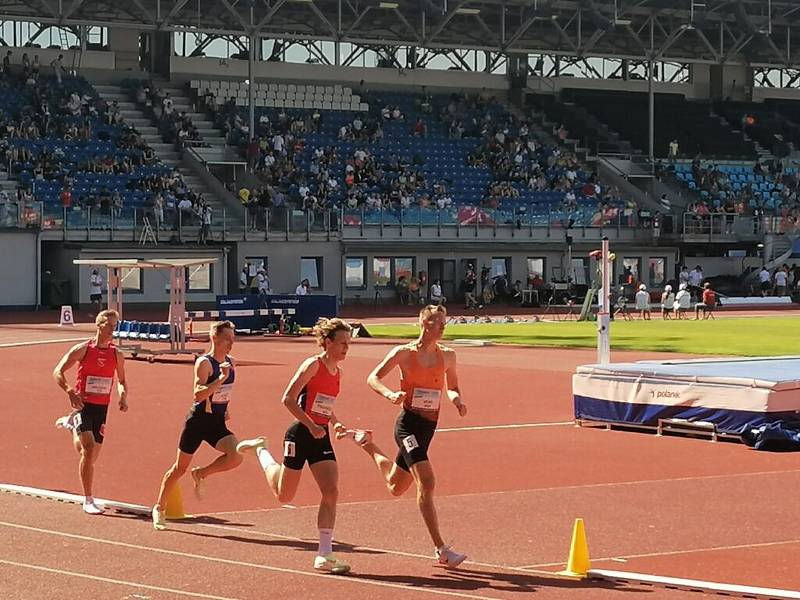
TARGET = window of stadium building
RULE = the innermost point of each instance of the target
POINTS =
(198, 278)
(501, 265)
(355, 269)
(403, 267)
(657, 271)
(630, 270)
(580, 271)
(535, 267)
(382, 272)
(311, 269)
(131, 280)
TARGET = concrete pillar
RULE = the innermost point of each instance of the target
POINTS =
(124, 43)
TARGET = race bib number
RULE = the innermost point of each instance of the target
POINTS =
(426, 399)
(98, 385)
(410, 443)
(224, 394)
(288, 449)
(323, 405)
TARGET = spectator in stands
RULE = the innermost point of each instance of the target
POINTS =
(707, 304)
(7, 65)
(437, 297)
(58, 68)
(643, 302)
(205, 213)
(303, 289)
(781, 281)
(683, 300)
(765, 279)
(673, 151)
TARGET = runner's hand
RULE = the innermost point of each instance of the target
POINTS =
(340, 430)
(397, 397)
(317, 431)
(123, 404)
(75, 399)
(224, 370)
(462, 408)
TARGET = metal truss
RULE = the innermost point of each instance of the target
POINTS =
(761, 33)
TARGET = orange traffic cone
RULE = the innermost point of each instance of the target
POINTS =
(174, 508)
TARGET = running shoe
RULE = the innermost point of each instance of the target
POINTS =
(449, 557)
(251, 445)
(330, 564)
(67, 421)
(360, 436)
(90, 508)
(199, 484)
(159, 522)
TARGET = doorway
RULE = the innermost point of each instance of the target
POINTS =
(443, 269)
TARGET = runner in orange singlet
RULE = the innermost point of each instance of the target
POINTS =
(310, 397)
(426, 368)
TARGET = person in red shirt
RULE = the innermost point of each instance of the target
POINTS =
(426, 369)
(708, 303)
(99, 361)
(310, 398)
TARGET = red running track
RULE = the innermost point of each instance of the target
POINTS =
(667, 506)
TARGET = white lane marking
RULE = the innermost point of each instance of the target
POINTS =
(41, 342)
(143, 586)
(237, 563)
(511, 426)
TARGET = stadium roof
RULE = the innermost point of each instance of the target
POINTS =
(759, 32)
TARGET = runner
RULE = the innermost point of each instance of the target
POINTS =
(214, 375)
(424, 366)
(310, 397)
(98, 360)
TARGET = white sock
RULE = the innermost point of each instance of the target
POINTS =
(265, 458)
(88, 500)
(325, 541)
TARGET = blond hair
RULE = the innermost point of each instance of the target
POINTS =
(218, 327)
(104, 315)
(326, 329)
(431, 309)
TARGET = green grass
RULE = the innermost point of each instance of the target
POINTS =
(754, 336)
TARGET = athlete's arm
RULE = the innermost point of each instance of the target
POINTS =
(453, 391)
(304, 374)
(374, 380)
(70, 359)
(202, 371)
(122, 382)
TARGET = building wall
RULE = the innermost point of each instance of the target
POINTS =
(91, 59)
(19, 279)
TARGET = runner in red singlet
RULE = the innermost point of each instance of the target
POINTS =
(98, 360)
(310, 397)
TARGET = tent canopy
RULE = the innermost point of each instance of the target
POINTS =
(140, 263)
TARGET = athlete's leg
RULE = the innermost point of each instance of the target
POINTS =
(229, 459)
(326, 474)
(89, 450)
(171, 477)
(397, 480)
(422, 473)
(281, 480)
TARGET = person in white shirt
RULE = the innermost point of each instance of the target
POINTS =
(667, 302)
(683, 276)
(303, 288)
(96, 288)
(683, 300)
(643, 302)
(436, 294)
(781, 282)
(766, 280)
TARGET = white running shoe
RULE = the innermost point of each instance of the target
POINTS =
(360, 436)
(90, 508)
(449, 557)
(251, 445)
(67, 421)
(199, 484)
(330, 564)
(159, 522)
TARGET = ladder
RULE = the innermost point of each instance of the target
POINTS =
(147, 234)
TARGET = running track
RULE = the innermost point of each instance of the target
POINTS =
(508, 496)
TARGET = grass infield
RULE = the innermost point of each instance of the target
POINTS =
(745, 336)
